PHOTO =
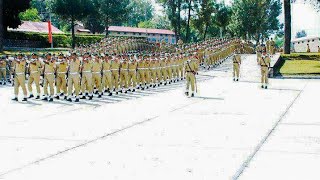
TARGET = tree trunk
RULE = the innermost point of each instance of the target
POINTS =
(188, 22)
(1, 25)
(221, 32)
(179, 19)
(107, 26)
(287, 26)
(73, 35)
(205, 31)
(174, 18)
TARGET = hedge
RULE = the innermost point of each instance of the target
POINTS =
(59, 40)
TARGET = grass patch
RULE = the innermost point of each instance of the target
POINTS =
(301, 56)
(300, 67)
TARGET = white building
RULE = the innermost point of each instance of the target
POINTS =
(153, 35)
(300, 44)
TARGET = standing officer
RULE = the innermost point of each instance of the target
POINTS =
(141, 71)
(124, 74)
(61, 73)
(132, 74)
(272, 47)
(19, 73)
(3, 70)
(96, 74)
(265, 64)
(48, 71)
(268, 46)
(115, 68)
(191, 69)
(106, 79)
(86, 79)
(73, 77)
(258, 51)
(236, 65)
(34, 70)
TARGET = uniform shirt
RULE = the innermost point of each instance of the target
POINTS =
(86, 66)
(74, 66)
(106, 66)
(124, 65)
(49, 67)
(132, 66)
(115, 65)
(191, 66)
(96, 66)
(264, 61)
(3, 64)
(35, 66)
(141, 64)
(237, 59)
(20, 67)
(62, 67)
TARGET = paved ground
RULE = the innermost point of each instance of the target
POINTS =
(229, 131)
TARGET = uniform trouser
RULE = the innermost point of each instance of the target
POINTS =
(258, 56)
(174, 72)
(164, 74)
(181, 71)
(86, 82)
(3, 75)
(19, 81)
(124, 78)
(264, 75)
(48, 82)
(115, 79)
(154, 76)
(236, 70)
(141, 76)
(132, 80)
(106, 80)
(96, 81)
(170, 73)
(159, 75)
(147, 76)
(73, 82)
(34, 78)
(61, 83)
(190, 82)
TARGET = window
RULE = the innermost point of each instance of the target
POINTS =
(166, 35)
(125, 33)
(302, 42)
(312, 40)
(308, 40)
(118, 32)
(298, 42)
(293, 43)
(134, 33)
(140, 34)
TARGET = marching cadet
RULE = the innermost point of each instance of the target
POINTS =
(48, 72)
(236, 65)
(264, 63)
(132, 79)
(272, 47)
(268, 45)
(3, 70)
(86, 78)
(191, 71)
(115, 68)
(153, 71)
(34, 70)
(106, 71)
(19, 73)
(61, 76)
(180, 66)
(259, 51)
(163, 65)
(124, 74)
(141, 71)
(158, 69)
(147, 72)
(73, 77)
(96, 74)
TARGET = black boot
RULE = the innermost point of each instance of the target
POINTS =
(83, 97)
(45, 99)
(99, 96)
(38, 97)
(110, 94)
(24, 99)
(90, 98)
(192, 95)
(69, 99)
(51, 100)
(31, 96)
(186, 93)
(15, 99)
(57, 97)
(77, 100)
(133, 90)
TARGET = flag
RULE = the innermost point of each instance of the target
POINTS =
(50, 32)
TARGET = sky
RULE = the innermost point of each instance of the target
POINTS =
(304, 17)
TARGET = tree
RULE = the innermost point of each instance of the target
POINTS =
(139, 10)
(30, 15)
(222, 17)
(287, 26)
(72, 10)
(301, 34)
(204, 20)
(94, 22)
(1, 25)
(11, 10)
(113, 12)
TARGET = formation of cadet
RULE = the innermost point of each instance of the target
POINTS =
(112, 66)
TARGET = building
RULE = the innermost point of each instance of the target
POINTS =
(36, 27)
(153, 35)
(79, 29)
(300, 44)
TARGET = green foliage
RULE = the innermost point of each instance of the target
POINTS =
(139, 11)
(301, 34)
(30, 15)
(222, 17)
(94, 22)
(11, 10)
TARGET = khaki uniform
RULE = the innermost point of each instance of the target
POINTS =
(153, 72)
(268, 45)
(191, 68)
(20, 78)
(49, 69)
(272, 47)
(61, 82)
(164, 73)
(141, 73)
(34, 76)
(115, 66)
(147, 72)
(106, 79)
(124, 75)
(74, 78)
(236, 67)
(86, 79)
(96, 75)
(3, 71)
(132, 79)
(264, 63)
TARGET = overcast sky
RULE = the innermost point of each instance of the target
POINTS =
(304, 17)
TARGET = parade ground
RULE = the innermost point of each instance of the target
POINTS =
(230, 130)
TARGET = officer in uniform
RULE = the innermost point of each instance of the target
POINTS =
(73, 77)
(132, 67)
(272, 47)
(115, 68)
(86, 79)
(236, 65)
(268, 46)
(264, 63)
(191, 71)
(106, 71)
(3, 70)
(19, 72)
(48, 72)
(124, 74)
(61, 74)
(96, 74)
(258, 51)
(141, 71)
(34, 70)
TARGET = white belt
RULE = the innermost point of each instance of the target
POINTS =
(19, 73)
(132, 70)
(73, 73)
(123, 69)
(142, 68)
(3, 68)
(95, 72)
(106, 70)
(48, 73)
(33, 72)
(62, 72)
(86, 71)
(153, 68)
(114, 69)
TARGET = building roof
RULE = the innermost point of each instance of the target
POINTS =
(39, 27)
(140, 30)
(305, 38)
(83, 30)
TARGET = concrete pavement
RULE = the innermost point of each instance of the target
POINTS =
(229, 131)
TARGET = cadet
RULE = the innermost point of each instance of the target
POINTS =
(74, 77)
(258, 51)
(141, 71)
(191, 71)
(86, 79)
(236, 65)
(34, 70)
(153, 71)
(265, 64)
(318, 49)
(48, 71)
(115, 67)
(132, 74)
(124, 74)
(19, 72)
(3, 70)
(272, 47)
(96, 74)
(106, 79)
(61, 73)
